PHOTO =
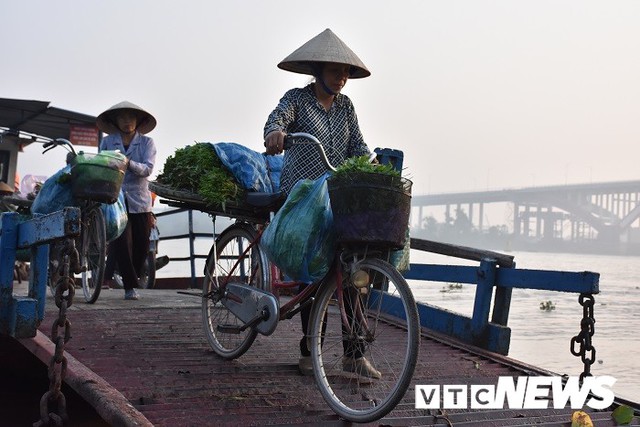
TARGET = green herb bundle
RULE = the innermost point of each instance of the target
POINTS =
(358, 185)
(197, 169)
(362, 164)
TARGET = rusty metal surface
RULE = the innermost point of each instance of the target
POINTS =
(154, 353)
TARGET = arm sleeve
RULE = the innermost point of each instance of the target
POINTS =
(357, 146)
(282, 116)
(104, 144)
(145, 167)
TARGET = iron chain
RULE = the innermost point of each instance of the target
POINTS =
(63, 297)
(581, 345)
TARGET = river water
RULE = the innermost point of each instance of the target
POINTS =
(538, 337)
(542, 337)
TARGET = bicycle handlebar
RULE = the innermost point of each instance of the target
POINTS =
(308, 140)
(289, 141)
(49, 145)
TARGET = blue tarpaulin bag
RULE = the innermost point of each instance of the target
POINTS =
(55, 193)
(300, 239)
(115, 217)
(254, 171)
(274, 166)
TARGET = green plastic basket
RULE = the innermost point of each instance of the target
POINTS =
(98, 177)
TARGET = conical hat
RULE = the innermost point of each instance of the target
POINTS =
(325, 47)
(106, 121)
(5, 189)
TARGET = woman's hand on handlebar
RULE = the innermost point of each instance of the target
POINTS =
(274, 142)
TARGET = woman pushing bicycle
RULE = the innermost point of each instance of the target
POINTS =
(127, 124)
(322, 110)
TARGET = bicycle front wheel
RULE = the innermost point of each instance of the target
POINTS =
(231, 262)
(363, 361)
(93, 253)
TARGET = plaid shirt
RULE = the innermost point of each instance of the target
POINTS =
(337, 130)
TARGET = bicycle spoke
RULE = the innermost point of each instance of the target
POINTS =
(357, 390)
(233, 260)
(92, 252)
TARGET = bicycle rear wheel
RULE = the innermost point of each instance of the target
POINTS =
(230, 262)
(148, 275)
(381, 326)
(147, 279)
(93, 253)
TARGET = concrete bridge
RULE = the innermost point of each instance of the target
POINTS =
(606, 214)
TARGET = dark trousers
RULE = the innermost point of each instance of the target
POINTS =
(351, 349)
(131, 247)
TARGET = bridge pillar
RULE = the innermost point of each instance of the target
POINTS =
(516, 220)
(549, 222)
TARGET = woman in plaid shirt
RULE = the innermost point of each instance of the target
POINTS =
(319, 109)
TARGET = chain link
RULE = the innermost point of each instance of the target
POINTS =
(581, 345)
(64, 292)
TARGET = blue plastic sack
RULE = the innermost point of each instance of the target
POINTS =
(401, 258)
(115, 217)
(254, 171)
(55, 193)
(274, 165)
(300, 239)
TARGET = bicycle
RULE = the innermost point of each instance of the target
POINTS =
(356, 309)
(91, 243)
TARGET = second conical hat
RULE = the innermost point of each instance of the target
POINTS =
(106, 120)
(325, 47)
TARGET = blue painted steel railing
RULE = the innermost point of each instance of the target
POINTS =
(21, 315)
(495, 272)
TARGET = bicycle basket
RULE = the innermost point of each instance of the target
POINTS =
(98, 177)
(370, 208)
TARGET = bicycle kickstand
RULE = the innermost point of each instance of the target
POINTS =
(234, 329)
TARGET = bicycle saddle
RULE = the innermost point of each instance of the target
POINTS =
(263, 200)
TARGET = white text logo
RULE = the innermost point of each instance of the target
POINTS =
(519, 393)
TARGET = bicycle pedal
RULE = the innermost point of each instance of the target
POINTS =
(229, 329)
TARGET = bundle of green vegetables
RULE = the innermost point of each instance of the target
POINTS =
(197, 169)
(358, 185)
(362, 164)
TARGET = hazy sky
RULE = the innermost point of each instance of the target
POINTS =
(478, 94)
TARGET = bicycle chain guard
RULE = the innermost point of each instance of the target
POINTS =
(250, 305)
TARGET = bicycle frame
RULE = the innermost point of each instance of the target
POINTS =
(286, 311)
(304, 297)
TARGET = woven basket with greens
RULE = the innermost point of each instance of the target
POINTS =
(370, 203)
